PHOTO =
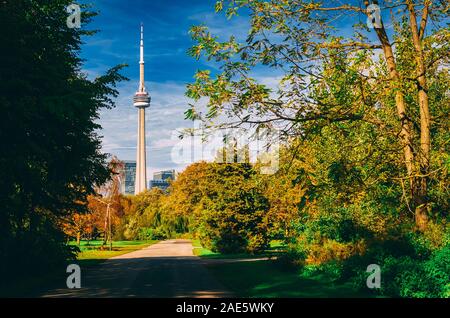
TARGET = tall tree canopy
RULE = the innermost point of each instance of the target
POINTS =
(50, 151)
(389, 72)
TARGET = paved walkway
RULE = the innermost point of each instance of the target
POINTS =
(165, 269)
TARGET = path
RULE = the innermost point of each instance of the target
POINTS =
(165, 269)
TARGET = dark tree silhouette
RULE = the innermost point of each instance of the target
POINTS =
(50, 153)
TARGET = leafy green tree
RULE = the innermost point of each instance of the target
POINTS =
(145, 213)
(50, 152)
(304, 41)
(231, 215)
(185, 193)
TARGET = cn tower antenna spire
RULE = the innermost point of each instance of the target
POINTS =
(141, 61)
(142, 44)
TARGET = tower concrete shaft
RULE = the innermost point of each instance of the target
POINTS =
(141, 173)
(141, 102)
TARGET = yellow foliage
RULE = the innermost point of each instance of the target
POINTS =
(331, 250)
(435, 233)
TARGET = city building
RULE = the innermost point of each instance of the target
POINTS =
(161, 179)
(128, 177)
(141, 101)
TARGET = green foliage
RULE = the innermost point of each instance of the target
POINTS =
(221, 204)
(51, 153)
(337, 103)
(340, 200)
(145, 220)
(408, 277)
(157, 234)
(404, 272)
(437, 269)
(231, 214)
(332, 270)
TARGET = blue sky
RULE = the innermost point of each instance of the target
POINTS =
(168, 68)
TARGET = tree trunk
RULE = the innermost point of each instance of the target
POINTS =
(405, 122)
(105, 233)
(417, 179)
(78, 238)
(421, 199)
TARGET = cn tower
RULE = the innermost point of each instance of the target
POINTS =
(141, 102)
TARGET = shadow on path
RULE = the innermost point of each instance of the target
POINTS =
(166, 269)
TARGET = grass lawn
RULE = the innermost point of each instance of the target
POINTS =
(266, 278)
(93, 253)
(275, 249)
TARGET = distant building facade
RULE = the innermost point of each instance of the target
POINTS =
(128, 177)
(161, 179)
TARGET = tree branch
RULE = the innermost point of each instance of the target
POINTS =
(423, 22)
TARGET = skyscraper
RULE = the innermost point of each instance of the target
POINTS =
(128, 177)
(161, 179)
(141, 101)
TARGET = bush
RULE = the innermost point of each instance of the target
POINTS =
(231, 217)
(227, 242)
(35, 253)
(437, 271)
(294, 257)
(403, 275)
(158, 234)
(332, 270)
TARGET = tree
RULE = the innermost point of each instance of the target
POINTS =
(80, 225)
(284, 193)
(186, 191)
(51, 152)
(109, 196)
(302, 40)
(224, 205)
(145, 215)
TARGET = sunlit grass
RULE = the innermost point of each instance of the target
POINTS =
(276, 247)
(267, 278)
(95, 252)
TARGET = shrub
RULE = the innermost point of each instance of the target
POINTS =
(437, 270)
(227, 242)
(231, 216)
(332, 270)
(158, 233)
(329, 251)
(294, 257)
(403, 275)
